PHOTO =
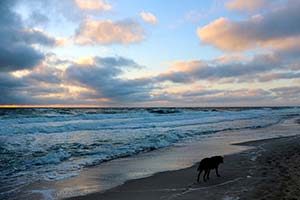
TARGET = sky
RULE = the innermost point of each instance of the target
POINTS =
(129, 53)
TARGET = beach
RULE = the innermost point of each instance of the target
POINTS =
(146, 161)
(123, 99)
(268, 171)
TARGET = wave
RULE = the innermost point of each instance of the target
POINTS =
(13, 113)
(107, 146)
(163, 110)
(85, 122)
(98, 152)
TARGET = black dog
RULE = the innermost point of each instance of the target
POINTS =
(207, 164)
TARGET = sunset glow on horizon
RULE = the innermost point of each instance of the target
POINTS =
(113, 53)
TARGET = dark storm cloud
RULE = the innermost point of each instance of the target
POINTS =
(103, 77)
(11, 90)
(37, 37)
(16, 51)
(9, 82)
(17, 57)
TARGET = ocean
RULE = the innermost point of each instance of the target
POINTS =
(50, 144)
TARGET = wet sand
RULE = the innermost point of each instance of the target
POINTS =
(270, 170)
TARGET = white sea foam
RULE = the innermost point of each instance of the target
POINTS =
(46, 194)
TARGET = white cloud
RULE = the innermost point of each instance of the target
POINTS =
(248, 6)
(107, 32)
(149, 17)
(93, 5)
(274, 28)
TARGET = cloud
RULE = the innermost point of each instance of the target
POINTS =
(228, 97)
(282, 96)
(45, 74)
(149, 17)
(36, 18)
(28, 75)
(289, 51)
(11, 89)
(201, 93)
(18, 56)
(93, 5)
(46, 12)
(107, 32)
(30, 88)
(97, 83)
(33, 36)
(16, 51)
(248, 6)
(101, 83)
(257, 31)
(288, 93)
(278, 76)
(103, 77)
(38, 85)
(176, 77)
(282, 63)
(195, 70)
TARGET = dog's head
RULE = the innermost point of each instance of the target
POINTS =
(220, 159)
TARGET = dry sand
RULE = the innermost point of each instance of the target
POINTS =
(269, 171)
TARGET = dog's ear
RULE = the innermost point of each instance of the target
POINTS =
(222, 158)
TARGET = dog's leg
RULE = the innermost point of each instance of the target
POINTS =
(208, 174)
(205, 173)
(200, 171)
(217, 172)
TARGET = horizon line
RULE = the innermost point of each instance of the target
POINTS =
(88, 106)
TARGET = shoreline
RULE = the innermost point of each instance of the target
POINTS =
(114, 174)
(250, 174)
